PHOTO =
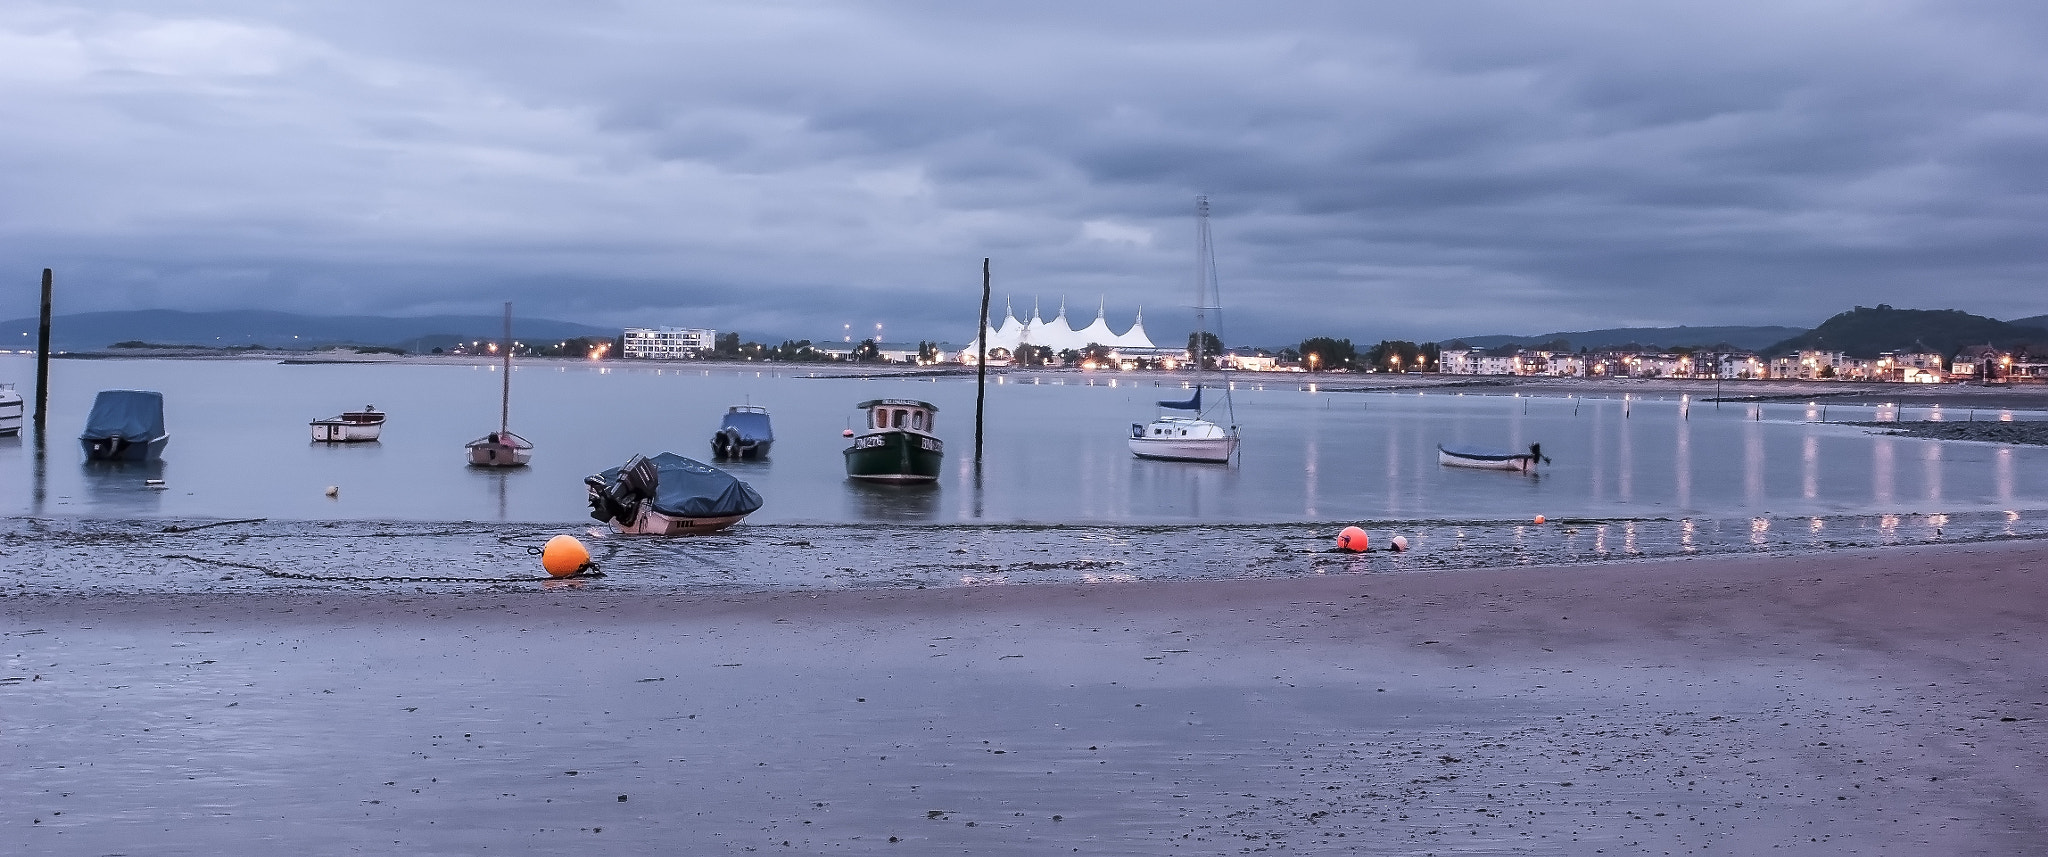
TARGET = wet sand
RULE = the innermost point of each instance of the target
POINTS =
(1886, 701)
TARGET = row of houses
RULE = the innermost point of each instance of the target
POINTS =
(1981, 362)
(1974, 363)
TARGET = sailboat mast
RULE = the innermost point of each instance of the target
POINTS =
(505, 394)
(1203, 257)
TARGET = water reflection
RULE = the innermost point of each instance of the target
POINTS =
(1881, 470)
(1930, 466)
(127, 487)
(2001, 475)
(1809, 459)
(892, 503)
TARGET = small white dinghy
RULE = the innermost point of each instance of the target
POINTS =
(1491, 459)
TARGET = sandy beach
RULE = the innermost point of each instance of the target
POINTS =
(1875, 701)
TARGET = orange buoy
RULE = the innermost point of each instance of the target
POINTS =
(1352, 539)
(1539, 519)
(1400, 543)
(564, 556)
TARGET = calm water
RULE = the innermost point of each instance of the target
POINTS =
(1055, 452)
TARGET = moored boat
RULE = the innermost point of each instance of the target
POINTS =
(502, 448)
(350, 427)
(897, 445)
(1193, 437)
(743, 433)
(669, 495)
(10, 410)
(1175, 438)
(125, 425)
(1491, 459)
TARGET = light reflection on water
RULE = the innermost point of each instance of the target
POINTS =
(1056, 450)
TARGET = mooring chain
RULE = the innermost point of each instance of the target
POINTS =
(588, 572)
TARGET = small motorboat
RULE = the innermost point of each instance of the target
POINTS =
(897, 445)
(669, 495)
(351, 427)
(743, 433)
(125, 425)
(1491, 459)
(10, 410)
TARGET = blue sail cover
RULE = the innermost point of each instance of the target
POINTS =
(750, 424)
(682, 487)
(1194, 404)
(132, 415)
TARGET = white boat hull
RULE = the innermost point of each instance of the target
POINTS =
(341, 431)
(10, 412)
(652, 523)
(1182, 439)
(1519, 463)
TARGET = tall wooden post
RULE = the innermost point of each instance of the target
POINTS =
(43, 360)
(981, 363)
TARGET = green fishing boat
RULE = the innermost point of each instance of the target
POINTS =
(897, 445)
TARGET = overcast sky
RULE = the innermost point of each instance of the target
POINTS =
(793, 170)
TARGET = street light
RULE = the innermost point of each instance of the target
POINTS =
(1313, 359)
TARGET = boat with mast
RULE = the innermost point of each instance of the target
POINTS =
(502, 448)
(1171, 437)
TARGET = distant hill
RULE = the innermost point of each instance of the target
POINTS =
(92, 331)
(1868, 331)
(2030, 321)
(1751, 338)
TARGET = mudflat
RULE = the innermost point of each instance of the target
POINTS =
(1877, 701)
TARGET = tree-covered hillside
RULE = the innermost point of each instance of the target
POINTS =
(1868, 331)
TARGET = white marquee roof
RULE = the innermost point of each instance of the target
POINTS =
(1059, 334)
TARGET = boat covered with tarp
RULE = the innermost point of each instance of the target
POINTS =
(669, 495)
(125, 425)
(1490, 459)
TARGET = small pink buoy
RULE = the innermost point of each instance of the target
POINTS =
(1352, 539)
(846, 433)
(1400, 543)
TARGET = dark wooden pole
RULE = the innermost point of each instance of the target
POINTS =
(982, 363)
(43, 360)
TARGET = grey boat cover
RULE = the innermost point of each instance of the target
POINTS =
(133, 415)
(752, 425)
(677, 486)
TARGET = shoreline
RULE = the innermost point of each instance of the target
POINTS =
(58, 556)
(1852, 702)
(2027, 397)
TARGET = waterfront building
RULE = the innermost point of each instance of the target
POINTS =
(668, 343)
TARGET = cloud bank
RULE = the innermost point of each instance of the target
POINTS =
(792, 170)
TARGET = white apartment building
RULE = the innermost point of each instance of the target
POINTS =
(668, 343)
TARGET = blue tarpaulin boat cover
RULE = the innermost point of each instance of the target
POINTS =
(752, 425)
(681, 487)
(133, 415)
(1194, 404)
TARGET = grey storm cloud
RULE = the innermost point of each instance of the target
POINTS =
(792, 170)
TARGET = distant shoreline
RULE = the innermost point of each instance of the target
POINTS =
(1728, 391)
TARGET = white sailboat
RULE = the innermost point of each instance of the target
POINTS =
(1194, 438)
(502, 448)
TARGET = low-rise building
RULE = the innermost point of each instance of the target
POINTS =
(668, 343)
